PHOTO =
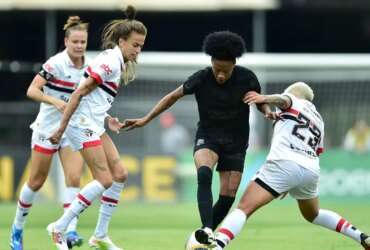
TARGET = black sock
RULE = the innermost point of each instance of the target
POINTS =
(204, 195)
(221, 208)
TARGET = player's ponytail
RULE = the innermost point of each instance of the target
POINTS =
(122, 29)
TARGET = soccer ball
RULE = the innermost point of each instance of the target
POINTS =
(193, 244)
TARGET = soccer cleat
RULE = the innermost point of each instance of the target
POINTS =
(16, 239)
(73, 239)
(365, 241)
(102, 243)
(206, 236)
(57, 237)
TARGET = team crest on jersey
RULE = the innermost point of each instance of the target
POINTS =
(200, 142)
(106, 68)
(88, 132)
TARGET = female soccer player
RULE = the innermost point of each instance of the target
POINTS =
(83, 125)
(52, 87)
(291, 166)
(223, 128)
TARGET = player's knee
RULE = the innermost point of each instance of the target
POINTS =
(73, 180)
(36, 183)
(311, 216)
(120, 174)
(204, 175)
(106, 182)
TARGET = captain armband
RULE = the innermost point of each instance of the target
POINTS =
(46, 75)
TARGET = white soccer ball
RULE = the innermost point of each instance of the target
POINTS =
(193, 244)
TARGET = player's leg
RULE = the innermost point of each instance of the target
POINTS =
(229, 183)
(331, 220)
(230, 167)
(41, 157)
(254, 197)
(73, 164)
(269, 183)
(93, 153)
(110, 197)
(205, 159)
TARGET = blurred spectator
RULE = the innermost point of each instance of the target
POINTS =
(174, 137)
(358, 137)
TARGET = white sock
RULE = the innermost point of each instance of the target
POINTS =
(83, 200)
(25, 201)
(109, 201)
(335, 222)
(69, 195)
(231, 226)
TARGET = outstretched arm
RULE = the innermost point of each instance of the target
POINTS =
(280, 101)
(86, 87)
(161, 106)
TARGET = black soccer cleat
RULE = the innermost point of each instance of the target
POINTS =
(365, 241)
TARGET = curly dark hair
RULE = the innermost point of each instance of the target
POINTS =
(224, 45)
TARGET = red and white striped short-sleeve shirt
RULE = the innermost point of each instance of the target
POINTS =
(299, 135)
(62, 79)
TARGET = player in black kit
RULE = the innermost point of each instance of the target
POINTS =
(223, 127)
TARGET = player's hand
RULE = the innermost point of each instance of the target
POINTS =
(114, 124)
(55, 138)
(272, 116)
(60, 105)
(130, 124)
(252, 97)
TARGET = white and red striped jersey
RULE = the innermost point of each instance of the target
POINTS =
(298, 135)
(62, 79)
(106, 69)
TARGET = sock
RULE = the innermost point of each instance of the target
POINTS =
(70, 194)
(25, 201)
(204, 196)
(335, 222)
(83, 200)
(231, 227)
(221, 208)
(109, 201)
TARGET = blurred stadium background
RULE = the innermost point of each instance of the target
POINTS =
(325, 43)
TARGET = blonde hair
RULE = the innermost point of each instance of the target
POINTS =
(302, 90)
(122, 28)
(74, 23)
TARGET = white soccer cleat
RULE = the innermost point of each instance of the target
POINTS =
(57, 237)
(102, 243)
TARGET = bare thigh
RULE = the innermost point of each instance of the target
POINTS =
(118, 170)
(97, 162)
(40, 166)
(72, 163)
(253, 198)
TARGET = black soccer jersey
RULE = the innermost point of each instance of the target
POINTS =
(221, 107)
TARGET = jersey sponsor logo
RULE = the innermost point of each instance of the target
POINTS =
(200, 142)
(307, 152)
(106, 68)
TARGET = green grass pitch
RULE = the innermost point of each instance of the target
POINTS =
(143, 226)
